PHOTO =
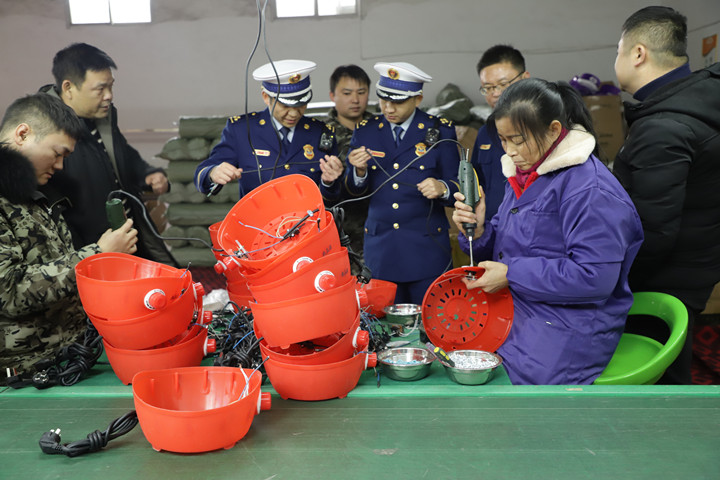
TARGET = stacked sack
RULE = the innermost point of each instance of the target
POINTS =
(281, 255)
(150, 315)
(190, 213)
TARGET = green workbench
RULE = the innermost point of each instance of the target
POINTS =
(424, 429)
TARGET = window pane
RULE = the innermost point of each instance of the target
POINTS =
(89, 11)
(295, 8)
(130, 11)
(336, 7)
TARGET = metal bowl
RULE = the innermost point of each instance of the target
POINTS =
(472, 367)
(406, 364)
(403, 313)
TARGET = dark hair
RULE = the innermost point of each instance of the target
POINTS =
(350, 71)
(502, 54)
(532, 104)
(45, 114)
(73, 62)
(661, 29)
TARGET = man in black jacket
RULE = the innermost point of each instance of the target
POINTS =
(103, 161)
(670, 164)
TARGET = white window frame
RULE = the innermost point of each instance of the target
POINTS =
(315, 8)
(110, 12)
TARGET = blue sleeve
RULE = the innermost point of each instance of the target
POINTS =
(225, 151)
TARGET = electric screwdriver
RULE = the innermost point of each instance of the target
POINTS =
(471, 190)
(115, 212)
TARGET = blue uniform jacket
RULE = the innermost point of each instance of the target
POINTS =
(303, 156)
(485, 158)
(568, 242)
(406, 234)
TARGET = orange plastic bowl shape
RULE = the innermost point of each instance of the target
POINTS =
(197, 409)
(269, 201)
(456, 318)
(288, 263)
(304, 318)
(318, 382)
(379, 293)
(124, 286)
(319, 351)
(187, 352)
(309, 278)
(153, 328)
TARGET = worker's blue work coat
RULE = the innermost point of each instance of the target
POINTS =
(568, 242)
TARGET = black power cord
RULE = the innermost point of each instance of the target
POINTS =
(68, 367)
(95, 441)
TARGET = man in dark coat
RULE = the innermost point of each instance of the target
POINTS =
(670, 164)
(103, 161)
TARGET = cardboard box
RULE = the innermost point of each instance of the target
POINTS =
(607, 115)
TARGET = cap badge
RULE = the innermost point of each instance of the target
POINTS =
(295, 78)
(393, 74)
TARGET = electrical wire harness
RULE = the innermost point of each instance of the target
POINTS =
(95, 441)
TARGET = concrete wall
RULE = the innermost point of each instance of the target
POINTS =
(191, 61)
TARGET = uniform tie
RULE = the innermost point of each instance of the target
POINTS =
(398, 135)
(285, 132)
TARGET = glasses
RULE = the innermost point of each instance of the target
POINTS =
(488, 89)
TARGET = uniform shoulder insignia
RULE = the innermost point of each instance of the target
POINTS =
(446, 122)
(362, 123)
(235, 118)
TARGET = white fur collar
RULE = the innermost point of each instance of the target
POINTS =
(574, 149)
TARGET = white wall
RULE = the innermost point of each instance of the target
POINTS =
(197, 67)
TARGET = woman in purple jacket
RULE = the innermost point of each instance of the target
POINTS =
(562, 241)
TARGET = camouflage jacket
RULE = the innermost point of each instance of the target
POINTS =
(342, 133)
(40, 308)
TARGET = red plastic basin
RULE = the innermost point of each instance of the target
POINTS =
(304, 318)
(322, 274)
(319, 351)
(188, 352)
(318, 382)
(121, 285)
(154, 328)
(197, 409)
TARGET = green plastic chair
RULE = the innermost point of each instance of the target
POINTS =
(640, 360)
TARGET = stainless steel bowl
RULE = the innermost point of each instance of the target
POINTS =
(403, 313)
(472, 367)
(406, 364)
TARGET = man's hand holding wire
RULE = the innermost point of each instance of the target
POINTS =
(359, 159)
(432, 188)
(332, 167)
(225, 173)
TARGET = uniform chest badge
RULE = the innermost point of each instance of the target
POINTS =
(309, 152)
(485, 146)
(420, 149)
(375, 153)
(262, 153)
